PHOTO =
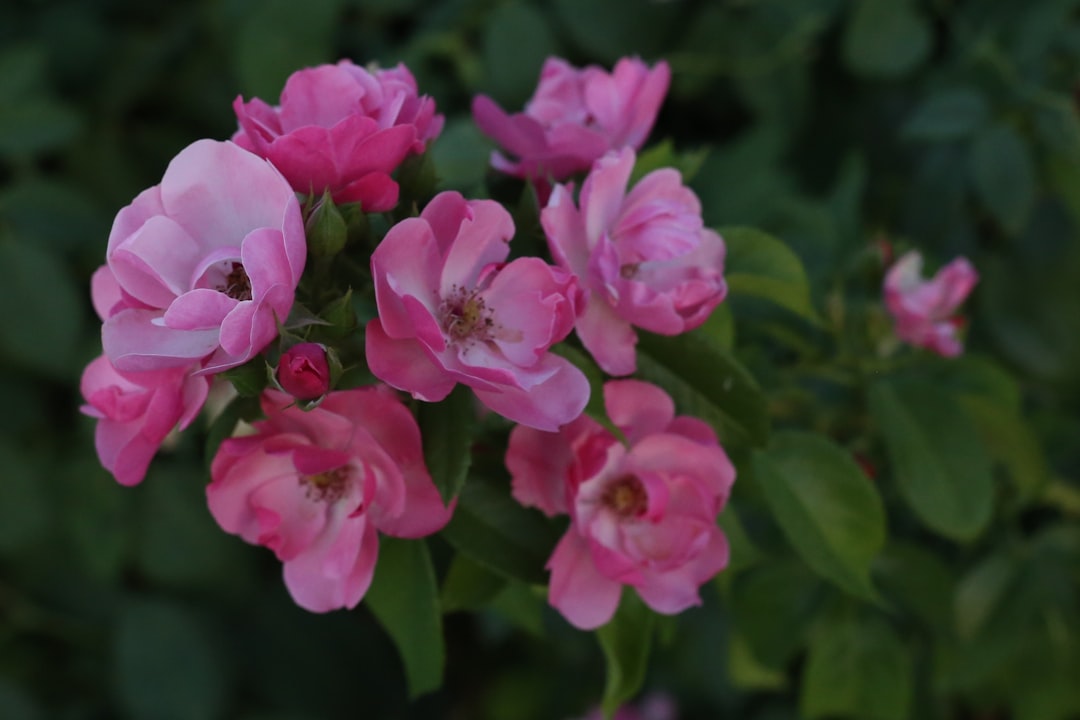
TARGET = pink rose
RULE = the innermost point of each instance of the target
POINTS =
(924, 310)
(451, 311)
(643, 257)
(642, 514)
(303, 371)
(202, 267)
(575, 117)
(341, 128)
(317, 487)
(136, 411)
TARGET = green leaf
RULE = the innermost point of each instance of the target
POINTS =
(405, 599)
(16, 703)
(1003, 175)
(497, 532)
(249, 379)
(468, 585)
(461, 155)
(43, 334)
(516, 42)
(271, 44)
(827, 508)
(25, 514)
(664, 155)
(223, 426)
(584, 362)
(447, 431)
(858, 667)
(982, 592)
(706, 381)
(35, 125)
(761, 266)
(743, 552)
(646, 27)
(918, 581)
(936, 455)
(626, 641)
(773, 605)
(947, 115)
(1012, 442)
(886, 38)
(166, 667)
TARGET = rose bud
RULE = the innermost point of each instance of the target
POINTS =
(304, 372)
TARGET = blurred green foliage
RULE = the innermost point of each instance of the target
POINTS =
(946, 125)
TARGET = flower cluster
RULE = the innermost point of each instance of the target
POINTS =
(263, 258)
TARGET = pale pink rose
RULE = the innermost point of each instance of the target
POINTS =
(642, 514)
(203, 267)
(341, 128)
(575, 117)
(304, 372)
(644, 258)
(317, 487)
(136, 411)
(451, 311)
(925, 310)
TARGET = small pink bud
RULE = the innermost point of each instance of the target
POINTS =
(303, 371)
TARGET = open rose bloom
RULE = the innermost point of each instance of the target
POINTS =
(205, 265)
(317, 487)
(574, 117)
(451, 310)
(642, 256)
(642, 514)
(924, 311)
(341, 128)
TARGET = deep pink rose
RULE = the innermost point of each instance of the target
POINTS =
(317, 487)
(575, 117)
(203, 267)
(341, 128)
(451, 311)
(643, 257)
(642, 514)
(136, 411)
(303, 371)
(925, 310)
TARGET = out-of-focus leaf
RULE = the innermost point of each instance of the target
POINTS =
(166, 667)
(858, 667)
(16, 703)
(1011, 441)
(468, 585)
(271, 44)
(595, 375)
(773, 605)
(644, 26)
(447, 428)
(919, 581)
(24, 502)
(626, 641)
(663, 155)
(936, 455)
(522, 605)
(36, 124)
(706, 381)
(405, 599)
(97, 518)
(828, 509)
(1002, 172)
(743, 552)
(44, 333)
(516, 42)
(761, 266)
(461, 155)
(886, 38)
(500, 534)
(981, 592)
(747, 672)
(947, 115)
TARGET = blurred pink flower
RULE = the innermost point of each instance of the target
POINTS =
(342, 128)
(643, 257)
(136, 411)
(642, 514)
(303, 371)
(924, 311)
(575, 117)
(655, 706)
(316, 487)
(451, 311)
(203, 267)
